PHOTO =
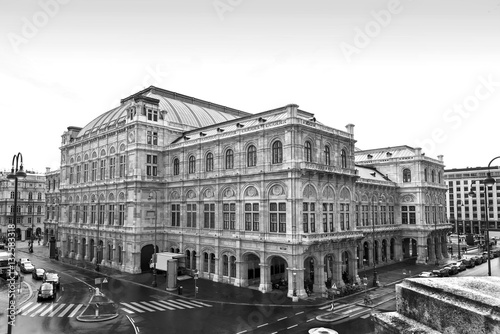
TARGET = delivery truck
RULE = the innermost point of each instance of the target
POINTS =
(162, 262)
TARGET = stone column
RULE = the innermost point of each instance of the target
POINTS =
(296, 283)
(216, 276)
(265, 278)
(319, 278)
(238, 281)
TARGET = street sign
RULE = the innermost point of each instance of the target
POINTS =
(334, 286)
(98, 280)
(105, 280)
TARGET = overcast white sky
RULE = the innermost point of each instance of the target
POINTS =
(420, 73)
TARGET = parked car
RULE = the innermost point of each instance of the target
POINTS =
(38, 273)
(6, 274)
(469, 263)
(27, 267)
(443, 272)
(46, 291)
(460, 264)
(52, 277)
(426, 274)
(485, 256)
(496, 253)
(453, 269)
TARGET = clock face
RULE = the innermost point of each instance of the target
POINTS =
(131, 137)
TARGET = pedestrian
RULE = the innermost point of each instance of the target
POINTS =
(331, 307)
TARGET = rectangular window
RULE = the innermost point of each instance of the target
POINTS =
(408, 214)
(251, 216)
(176, 214)
(191, 215)
(77, 213)
(94, 171)
(149, 138)
(85, 172)
(112, 167)
(344, 217)
(391, 214)
(277, 217)
(155, 138)
(305, 216)
(102, 213)
(111, 214)
(229, 215)
(102, 171)
(151, 165)
(122, 165)
(153, 115)
(85, 214)
(71, 170)
(92, 214)
(70, 213)
(325, 217)
(209, 215)
(121, 214)
(78, 173)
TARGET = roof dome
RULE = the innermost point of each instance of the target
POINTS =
(180, 109)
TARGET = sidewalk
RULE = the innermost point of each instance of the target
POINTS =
(216, 292)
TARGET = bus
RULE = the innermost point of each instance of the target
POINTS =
(4, 262)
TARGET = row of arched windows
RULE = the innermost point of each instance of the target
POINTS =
(407, 175)
(251, 158)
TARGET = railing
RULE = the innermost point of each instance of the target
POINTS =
(328, 169)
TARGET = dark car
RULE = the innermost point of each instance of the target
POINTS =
(52, 277)
(6, 274)
(443, 272)
(469, 263)
(46, 291)
(38, 273)
(460, 264)
(453, 269)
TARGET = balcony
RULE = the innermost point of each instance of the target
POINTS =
(327, 169)
(332, 236)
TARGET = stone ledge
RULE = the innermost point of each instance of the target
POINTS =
(395, 323)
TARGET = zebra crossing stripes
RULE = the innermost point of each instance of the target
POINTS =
(31, 309)
(161, 305)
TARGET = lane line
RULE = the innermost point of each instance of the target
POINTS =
(162, 305)
(263, 325)
(133, 308)
(201, 303)
(181, 303)
(50, 308)
(282, 318)
(39, 310)
(142, 306)
(292, 326)
(153, 306)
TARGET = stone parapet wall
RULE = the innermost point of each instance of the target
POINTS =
(446, 305)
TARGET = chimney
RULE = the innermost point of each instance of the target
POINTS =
(350, 128)
(418, 151)
(440, 157)
(47, 169)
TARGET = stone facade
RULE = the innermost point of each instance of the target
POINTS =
(249, 199)
(31, 205)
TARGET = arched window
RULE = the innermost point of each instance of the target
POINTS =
(425, 174)
(406, 175)
(229, 159)
(433, 176)
(176, 166)
(192, 164)
(209, 162)
(343, 158)
(308, 151)
(327, 155)
(277, 152)
(251, 156)
(439, 177)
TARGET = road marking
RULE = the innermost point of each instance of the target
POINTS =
(366, 316)
(292, 326)
(357, 308)
(66, 310)
(282, 318)
(169, 303)
(181, 304)
(31, 309)
(195, 305)
(50, 308)
(132, 307)
(141, 306)
(197, 302)
(164, 304)
(56, 310)
(242, 332)
(310, 319)
(153, 306)
(127, 310)
(160, 305)
(22, 308)
(72, 314)
(263, 325)
(39, 310)
(299, 313)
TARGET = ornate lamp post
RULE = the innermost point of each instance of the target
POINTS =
(154, 248)
(15, 174)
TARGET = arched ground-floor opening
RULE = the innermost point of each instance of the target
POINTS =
(250, 271)
(409, 248)
(146, 255)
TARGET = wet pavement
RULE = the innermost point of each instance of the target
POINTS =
(216, 292)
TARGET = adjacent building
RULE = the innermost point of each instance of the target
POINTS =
(466, 199)
(30, 205)
(249, 199)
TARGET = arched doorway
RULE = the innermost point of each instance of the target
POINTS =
(309, 273)
(146, 255)
(91, 250)
(345, 267)
(329, 270)
(251, 270)
(392, 251)
(84, 248)
(366, 254)
(384, 250)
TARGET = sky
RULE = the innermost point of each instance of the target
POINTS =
(419, 73)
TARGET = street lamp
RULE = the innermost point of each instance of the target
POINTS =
(435, 239)
(98, 223)
(15, 174)
(154, 248)
(375, 275)
(32, 224)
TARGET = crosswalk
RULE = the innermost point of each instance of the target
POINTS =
(348, 310)
(54, 310)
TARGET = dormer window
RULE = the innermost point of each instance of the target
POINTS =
(152, 115)
(370, 156)
(406, 175)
